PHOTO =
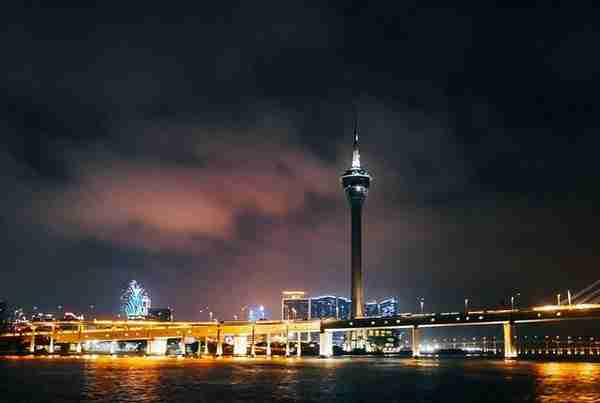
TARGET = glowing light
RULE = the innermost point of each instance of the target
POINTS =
(565, 307)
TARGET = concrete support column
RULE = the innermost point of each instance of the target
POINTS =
(148, 347)
(253, 343)
(510, 345)
(206, 345)
(299, 345)
(268, 344)
(326, 344)
(79, 347)
(32, 342)
(155, 346)
(219, 343)
(416, 341)
(51, 346)
(113, 347)
(182, 346)
(287, 343)
(240, 346)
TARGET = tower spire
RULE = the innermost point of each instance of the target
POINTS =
(355, 152)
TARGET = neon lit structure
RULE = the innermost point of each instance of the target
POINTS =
(135, 301)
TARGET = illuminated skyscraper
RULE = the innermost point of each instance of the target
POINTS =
(372, 309)
(343, 308)
(356, 181)
(295, 306)
(323, 307)
(135, 301)
(389, 307)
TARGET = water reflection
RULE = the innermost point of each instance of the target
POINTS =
(106, 379)
(568, 382)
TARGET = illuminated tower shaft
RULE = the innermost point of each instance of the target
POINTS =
(356, 181)
(358, 295)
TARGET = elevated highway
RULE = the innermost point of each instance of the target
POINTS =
(245, 334)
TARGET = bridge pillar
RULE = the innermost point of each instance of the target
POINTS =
(299, 345)
(240, 346)
(113, 347)
(182, 346)
(219, 343)
(287, 343)
(206, 345)
(79, 347)
(268, 344)
(51, 346)
(510, 345)
(253, 343)
(156, 347)
(325, 344)
(32, 342)
(416, 341)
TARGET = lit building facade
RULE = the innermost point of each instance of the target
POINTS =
(323, 307)
(295, 305)
(343, 308)
(389, 307)
(371, 309)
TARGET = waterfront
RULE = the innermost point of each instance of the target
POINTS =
(106, 379)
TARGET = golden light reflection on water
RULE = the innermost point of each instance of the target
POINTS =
(568, 382)
(141, 379)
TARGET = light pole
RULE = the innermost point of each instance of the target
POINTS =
(512, 301)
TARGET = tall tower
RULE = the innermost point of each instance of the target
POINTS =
(355, 181)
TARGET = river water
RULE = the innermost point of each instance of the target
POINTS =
(106, 379)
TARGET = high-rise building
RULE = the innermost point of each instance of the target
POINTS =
(356, 181)
(323, 307)
(389, 307)
(160, 314)
(295, 305)
(343, 307)
(371, 309)
(135, 301)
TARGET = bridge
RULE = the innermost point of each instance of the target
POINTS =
(81, 334)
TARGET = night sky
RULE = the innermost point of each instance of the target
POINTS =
(199, 150)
